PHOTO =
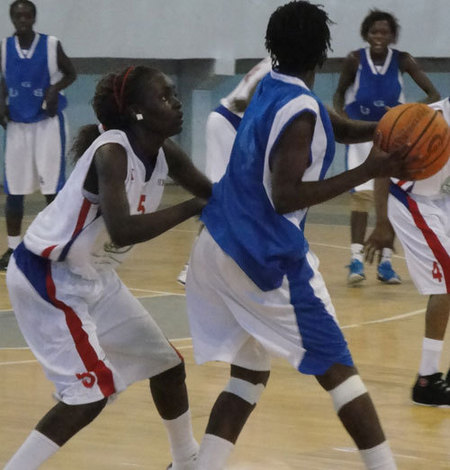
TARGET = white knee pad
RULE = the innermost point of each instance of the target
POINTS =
(347, 391)
(245, 390)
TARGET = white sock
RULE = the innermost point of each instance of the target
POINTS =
(14, 242)
(183, 446)
(431, 355)
(386, 255)
(214, 453)
(357, 251)
(36, 449)
(379, 457)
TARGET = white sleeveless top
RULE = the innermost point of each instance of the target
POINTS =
(72, 229)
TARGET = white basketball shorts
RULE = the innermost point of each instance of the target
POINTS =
(35, 156)
(92, 338)
(233, 321)
(422, 225)
(355, 155)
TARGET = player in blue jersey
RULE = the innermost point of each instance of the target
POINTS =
(35, 70)
(371, 79)
(253, 288)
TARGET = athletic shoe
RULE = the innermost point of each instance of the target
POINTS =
(181, 279)
(4, 260)
(356, 274)
(431, 390)
(447, 377)
(386, 274)
(189, 465)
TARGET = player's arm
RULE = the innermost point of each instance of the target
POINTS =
(126, 229)
(69, 75)
(184, 172)
(290, 159)
(409, 65)
(346, 79)
(350, 131)
(383, 233)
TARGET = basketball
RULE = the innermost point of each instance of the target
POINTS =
(424, 128)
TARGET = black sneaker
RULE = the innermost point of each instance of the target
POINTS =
(4, 260)
(431, 390)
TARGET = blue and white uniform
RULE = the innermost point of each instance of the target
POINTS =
(91, 335)
(374, 88)
(35, 142)
(253, 289)
(419, 211)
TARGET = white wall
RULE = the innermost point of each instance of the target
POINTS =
(220, 29)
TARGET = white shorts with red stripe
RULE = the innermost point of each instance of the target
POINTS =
(92, 338)
(422, 225)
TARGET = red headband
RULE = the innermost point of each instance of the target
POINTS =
(118, 95)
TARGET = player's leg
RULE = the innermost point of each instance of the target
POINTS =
(20, 179)
(138, 349)
(358, 415)
(62, 337)
(421, 225)
(233, 407)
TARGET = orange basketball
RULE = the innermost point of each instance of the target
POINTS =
(424, 128)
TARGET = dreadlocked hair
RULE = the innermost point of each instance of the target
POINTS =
(298, 37)
(114, 94)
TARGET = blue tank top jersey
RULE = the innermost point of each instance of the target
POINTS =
(27, 78)
(374, 88)
(240, 215)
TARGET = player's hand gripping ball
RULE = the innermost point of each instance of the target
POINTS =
(424, 129)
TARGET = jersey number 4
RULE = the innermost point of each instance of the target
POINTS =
(436, 272)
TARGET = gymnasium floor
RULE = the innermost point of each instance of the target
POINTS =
(294, 425)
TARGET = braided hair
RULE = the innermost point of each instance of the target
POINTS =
(298, 37)
(114, 94)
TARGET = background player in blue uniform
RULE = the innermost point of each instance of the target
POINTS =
(371, 79)
(253, 288)
(34, 71)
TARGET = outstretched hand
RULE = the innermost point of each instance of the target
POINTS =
(396, 164)
(381, 237)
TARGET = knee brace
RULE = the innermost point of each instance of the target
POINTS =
(347, 391)
(14, 204)
(245, 390)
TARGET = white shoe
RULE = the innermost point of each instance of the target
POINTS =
(181, 279)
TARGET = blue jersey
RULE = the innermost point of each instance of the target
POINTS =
(28, 74)
(240, 215)
(374, 87)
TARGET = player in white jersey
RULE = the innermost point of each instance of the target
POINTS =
(253, 288)
(222, 125)
(92, 337)
(35, 70)
(419, 212)
(371, 80)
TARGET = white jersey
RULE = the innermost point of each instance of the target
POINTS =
(80, 238)
(438, 185)
(247, 84)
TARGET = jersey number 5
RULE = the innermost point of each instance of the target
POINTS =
(141, 207)
(436, 272)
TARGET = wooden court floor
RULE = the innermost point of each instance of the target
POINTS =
(294, 425)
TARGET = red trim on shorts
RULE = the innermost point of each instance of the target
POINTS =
(81, 339)
(46, 253)
(433, 241)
